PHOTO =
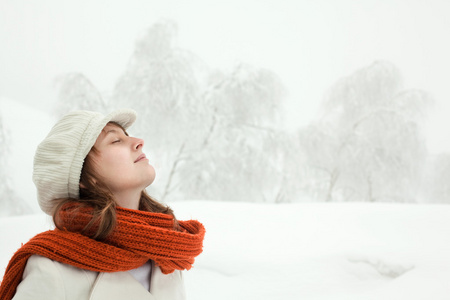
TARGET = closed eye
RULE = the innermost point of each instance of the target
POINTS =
(116, 141)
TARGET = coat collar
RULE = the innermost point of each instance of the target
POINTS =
(122, 285)
(118, 285)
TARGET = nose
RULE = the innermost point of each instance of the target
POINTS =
(138, 143)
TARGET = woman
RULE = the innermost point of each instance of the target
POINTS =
(112, 241)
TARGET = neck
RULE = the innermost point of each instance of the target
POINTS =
(128, 199)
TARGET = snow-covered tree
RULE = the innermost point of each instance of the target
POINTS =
(435, 187)
(294, 179)
(361, 93)
(369, 142)
(241, 154)
(389, 156)
(162, 82)
(248, 96)
(195, 120)
(77, 92)
(322, 153)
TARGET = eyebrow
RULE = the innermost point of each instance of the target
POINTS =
(111, 131)
(115, 131)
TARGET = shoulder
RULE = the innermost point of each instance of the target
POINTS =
(42, 268)
(37, 261)
(49, 268)
(40, 280)
(44, 278)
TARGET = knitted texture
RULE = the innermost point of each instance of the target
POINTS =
(59, 157)
(138, 237)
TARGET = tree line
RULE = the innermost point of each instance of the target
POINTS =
(219, 135)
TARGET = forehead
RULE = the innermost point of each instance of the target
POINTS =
(110, 128)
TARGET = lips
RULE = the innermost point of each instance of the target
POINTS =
(140, 157)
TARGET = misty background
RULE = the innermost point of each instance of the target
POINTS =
(255, 101)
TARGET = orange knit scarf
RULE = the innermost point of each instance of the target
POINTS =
(138, 237)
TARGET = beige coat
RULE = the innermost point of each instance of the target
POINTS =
(46, 279)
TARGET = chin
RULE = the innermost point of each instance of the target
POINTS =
(151, 175)
(149, 180)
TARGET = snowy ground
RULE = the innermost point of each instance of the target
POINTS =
(304, 251)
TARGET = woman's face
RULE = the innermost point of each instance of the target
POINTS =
(120, 162)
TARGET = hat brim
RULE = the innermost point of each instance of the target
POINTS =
(123, 117)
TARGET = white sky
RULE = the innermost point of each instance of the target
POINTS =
(309, 43)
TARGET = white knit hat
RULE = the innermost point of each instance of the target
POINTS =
(60, 156)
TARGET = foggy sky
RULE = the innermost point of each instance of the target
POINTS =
(309, 44)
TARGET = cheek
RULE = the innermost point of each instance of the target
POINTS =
(113, 162)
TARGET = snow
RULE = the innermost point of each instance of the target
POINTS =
(275, 251)
(304, 250)
(321, 251)
(268, 251)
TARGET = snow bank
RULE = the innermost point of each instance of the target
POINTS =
(321, 251)
(304, 251)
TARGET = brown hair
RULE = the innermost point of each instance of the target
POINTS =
(97, 196)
